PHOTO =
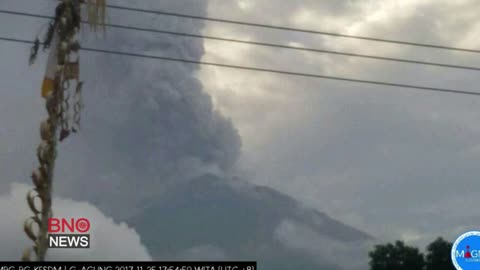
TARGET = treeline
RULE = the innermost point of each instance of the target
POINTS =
(398, 256)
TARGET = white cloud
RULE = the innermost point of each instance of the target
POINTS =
(109, 240)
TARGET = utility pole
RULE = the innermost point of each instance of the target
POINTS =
(61, 70)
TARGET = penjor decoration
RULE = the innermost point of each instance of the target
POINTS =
(63, 67)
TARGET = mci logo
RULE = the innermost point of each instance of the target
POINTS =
(465, 252)
(68, 233)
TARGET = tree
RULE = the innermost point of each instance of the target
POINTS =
(438, 255)
(396, 256)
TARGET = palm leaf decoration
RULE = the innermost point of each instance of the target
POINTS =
(96, 13)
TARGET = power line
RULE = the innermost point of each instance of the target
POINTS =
(259, 43)
(11, 12)
(424, 88)
(174, 14)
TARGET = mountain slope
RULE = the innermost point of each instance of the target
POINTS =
(210, 218)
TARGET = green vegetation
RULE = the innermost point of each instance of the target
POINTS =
(398, 256)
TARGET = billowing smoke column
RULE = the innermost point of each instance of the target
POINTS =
(147, 124)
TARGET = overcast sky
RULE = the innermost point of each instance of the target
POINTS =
(396, 163)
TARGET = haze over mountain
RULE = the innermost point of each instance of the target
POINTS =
(213, 219)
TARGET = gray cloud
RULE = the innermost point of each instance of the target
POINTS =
(147, 124)
(205, 252)
(395, 162)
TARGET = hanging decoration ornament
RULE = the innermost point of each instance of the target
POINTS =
(96, 13)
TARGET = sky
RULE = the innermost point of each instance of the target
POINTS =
(395, 163)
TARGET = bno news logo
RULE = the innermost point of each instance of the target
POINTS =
(68, 233)
(466, 251)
